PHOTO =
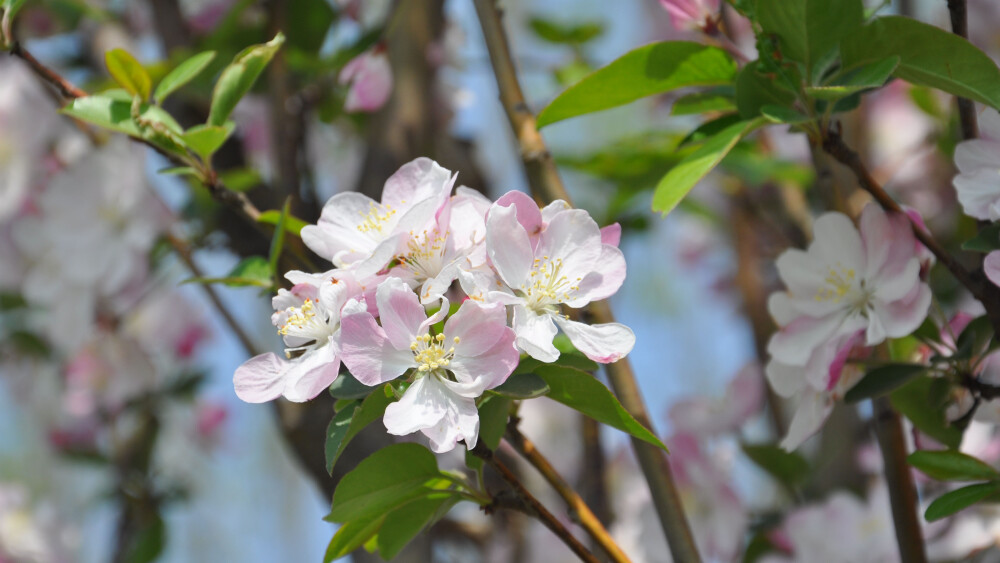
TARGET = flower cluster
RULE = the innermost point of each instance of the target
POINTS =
(853, 288)
(399, 264)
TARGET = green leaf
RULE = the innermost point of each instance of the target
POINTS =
(111, 113)
(182, 74)
(810, 30)
(371, 409)
(278, 240)
(975, 338)
(292, 224)
(336, 431)
(924, 402)
(386, 479)
(951, 465)
(206, 139)
(522, 386)
(347, 387)
(883, 380)
(987, 240)
(704, 131)
(783, 114)
(865, 78)
(789, 468)
(755, 90)
(581, 391)
(703, 102)
(237, 78)
(404, 523)
(128, 73)
(652, 69)
(178, 171)
(353, 535)
(692, 168)
(929, 56)
(251, 271)
(308, 23)
(555, 32)
(960, 499)
(493, 413)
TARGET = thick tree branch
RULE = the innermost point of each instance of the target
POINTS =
(579, 511)
(546, 184)
(527, 503)
(902, 491)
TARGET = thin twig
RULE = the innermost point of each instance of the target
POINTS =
(185, 255)
(899, 479)
(579, 510)
(531, 505)
(966, 107)
(546, 184)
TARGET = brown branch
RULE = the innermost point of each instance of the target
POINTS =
(966, 107)
(527, 503)
(899, 479)
(546, 184)
(184, 252)
(579, 511)
(48, 75)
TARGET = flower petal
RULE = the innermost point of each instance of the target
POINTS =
(603, 343)
(261, 378)
(811, 413)
(400, 312)
(478, 373)
(477, 326)
(367, 352)
(508, 246)
(311, 373)
(535, 333)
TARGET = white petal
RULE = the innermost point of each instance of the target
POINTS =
(535, 333)
(260, 379)
(400, 312)
(508, 246)
(811, 413)
(603, 343)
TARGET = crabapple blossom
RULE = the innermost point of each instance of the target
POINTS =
(356, 231)
(978, 163)
(711, 416)
(848, 280)
(692, 15)
(370, 78)
(308, 318)
(551, 257)
(450, 369)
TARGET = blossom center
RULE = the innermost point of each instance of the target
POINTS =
(425, 254)
(308, 322)
(429, 352)
(376, 218)
(546, 283)
(839, 282)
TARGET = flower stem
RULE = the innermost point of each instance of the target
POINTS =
(579, 510)
(547, 185)
(531, 505)
(958, 12)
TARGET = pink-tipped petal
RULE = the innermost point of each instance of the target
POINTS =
(508, 245)
(603, 343)
(367, 352)
(400, 312)
(612, 234)
(260, 379)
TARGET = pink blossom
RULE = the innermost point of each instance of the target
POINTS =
(308, 318)
(209, 418)
(473, 353)
(549, 257)
(711, 416)
(848, 281)
(357, 232)
(692, 15)
(370, 78)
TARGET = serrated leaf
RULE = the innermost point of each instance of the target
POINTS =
(676, 184)
(522, 386)
(951, 465)
(929, 56)
(237, 78)
(251, 271)
(652, 69)
(809, 30)
(404, 523)
(379, 483)
(128, 73)
(292, 224)
(923, 401)
(581, 391)
(182, 74)
(352, 535)
(789, 468)
(883, 380)
(960, 499)
(371, 409)
(206, 139)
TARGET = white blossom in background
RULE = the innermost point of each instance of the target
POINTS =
(704, 416)
(95, 224)
(853, 287)
(31, 533)
(843, 528)
(474, 352)
(105, 373)
(978, 163)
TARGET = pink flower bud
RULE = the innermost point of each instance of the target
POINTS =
(370, 79)
(692, 15)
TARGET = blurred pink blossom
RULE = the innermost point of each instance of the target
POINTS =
(692, 15)
(369, 77)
